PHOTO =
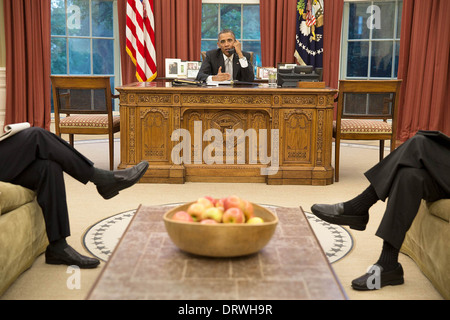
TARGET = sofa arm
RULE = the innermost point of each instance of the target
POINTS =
(440, 209)
(13, 196)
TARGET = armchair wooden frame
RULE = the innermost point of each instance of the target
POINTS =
(81, 120)
(368, 126)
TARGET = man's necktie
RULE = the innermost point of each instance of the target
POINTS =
(229, 66)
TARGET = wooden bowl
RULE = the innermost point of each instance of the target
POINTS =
(222, 239)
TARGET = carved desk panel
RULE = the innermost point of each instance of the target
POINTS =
(227, 134)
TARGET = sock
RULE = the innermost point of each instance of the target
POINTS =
(389, 257)
(102, 177)
(59, 244)
(360, 205)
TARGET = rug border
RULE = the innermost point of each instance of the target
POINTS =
(83, 237)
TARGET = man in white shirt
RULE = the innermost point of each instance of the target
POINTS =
(228, 62)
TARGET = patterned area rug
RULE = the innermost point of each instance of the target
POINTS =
(101, 238)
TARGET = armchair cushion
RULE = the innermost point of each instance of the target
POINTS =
(88, 121)
(363, 126)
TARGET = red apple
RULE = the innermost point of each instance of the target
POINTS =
(232, 202)
(205, 202)
(182, 216)
(213, 200)
(233, 215)
(220, 204)
(213, 213)
(196, 211)
(255, 220)
(247, 209)
(208, 221)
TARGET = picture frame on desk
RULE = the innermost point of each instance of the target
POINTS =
(192, 69)
(182, 69)
(172, 68)
(263, 72)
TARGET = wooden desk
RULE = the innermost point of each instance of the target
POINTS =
(302, 118)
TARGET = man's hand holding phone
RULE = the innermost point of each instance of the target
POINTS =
(238, 48)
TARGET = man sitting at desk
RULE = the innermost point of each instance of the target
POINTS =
(228, 62)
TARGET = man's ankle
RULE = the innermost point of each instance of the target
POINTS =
(59, 244)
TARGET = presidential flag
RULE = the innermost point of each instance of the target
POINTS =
(309, 38)
(140, 34)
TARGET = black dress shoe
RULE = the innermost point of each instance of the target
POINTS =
(334, 213)
(369, 281)
(123, 179)
(68, 256)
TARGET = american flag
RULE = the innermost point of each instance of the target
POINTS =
(310, 19)
(141, 38)
(310, 16)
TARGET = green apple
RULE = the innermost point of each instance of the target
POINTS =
(255, 220)
(213, 213)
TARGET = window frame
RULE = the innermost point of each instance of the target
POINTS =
(345, 41)
(116, 45)
(239, 37)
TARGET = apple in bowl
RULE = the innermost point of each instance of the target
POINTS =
(196, 211)
(233, 215)
(255, 220)
(182, 216)
(213, 213)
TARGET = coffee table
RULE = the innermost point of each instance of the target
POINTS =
(147, 265)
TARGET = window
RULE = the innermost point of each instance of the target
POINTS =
(240, 16)
(83, 38)
(371, 39)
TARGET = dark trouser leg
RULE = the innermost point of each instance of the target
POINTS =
(418, 152)
(46, 178)
(408, 188)
(22, 149)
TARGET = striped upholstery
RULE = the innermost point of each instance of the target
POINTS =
(88, 121)
(363, 126)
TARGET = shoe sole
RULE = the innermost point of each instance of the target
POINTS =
(358, 228)
(388, 283)
(60, 262)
